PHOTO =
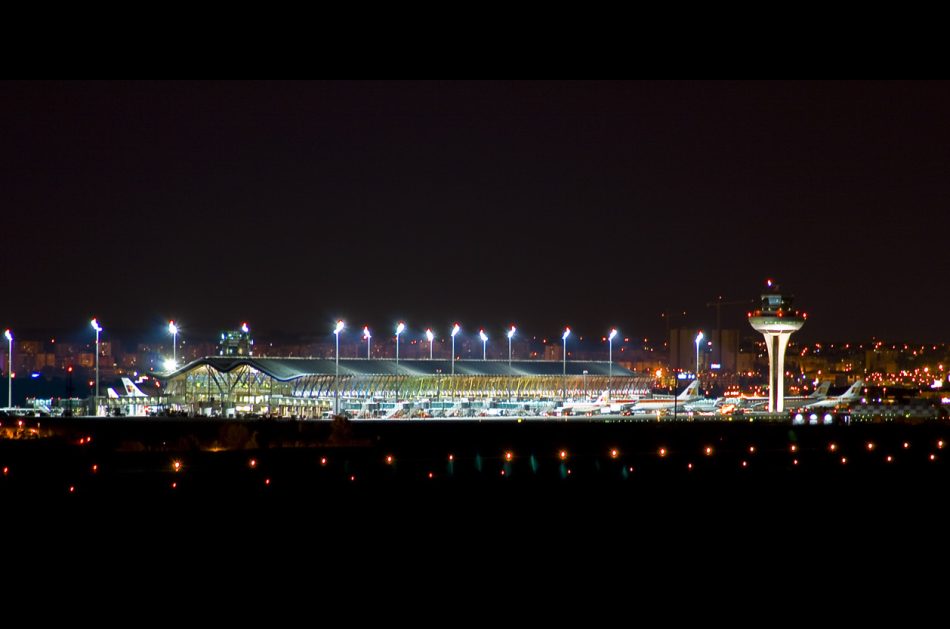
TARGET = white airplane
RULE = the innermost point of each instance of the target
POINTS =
(131, 402)
(602, 405)
(650, 405)
(130, 390)
(852, 395)
(755, 402)
(704, 405)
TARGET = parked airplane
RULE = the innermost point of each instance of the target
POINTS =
(704, 405)
(852, 395)
(130, 390)
(602, 405)
(650, 405)
(757, 402)
(132, 402)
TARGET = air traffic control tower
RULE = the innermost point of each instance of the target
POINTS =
(776, 320)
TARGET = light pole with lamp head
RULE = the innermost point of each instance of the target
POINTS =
(247, 333)
(610, 359)
(429, 337)
(173, 330)
(336, 379)
(510, 334)
(368, 337)
(9, 337)
(455, 330)
(699, 338)
(400, 328)
(567, 333)
(98, 328)
(484, 337)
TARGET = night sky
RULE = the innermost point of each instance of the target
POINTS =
(589, 204)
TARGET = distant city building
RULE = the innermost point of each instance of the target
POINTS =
(683, 350)
(881, 360)
(727, 352)
(746, 362)
(236, 343)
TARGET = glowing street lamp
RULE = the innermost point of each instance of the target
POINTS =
(610, 358)
(336, 380)
(98, 328)
(399, 330)
(369, 339)
(9, 337)
(247, 330)
(484, 337)
(699, 338)
(510, 334)
(455, 330)
(173, 330)
(430, 336)
(567, 333)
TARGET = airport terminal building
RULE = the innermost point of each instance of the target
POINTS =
(311, 388)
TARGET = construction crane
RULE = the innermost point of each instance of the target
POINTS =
(719, 303)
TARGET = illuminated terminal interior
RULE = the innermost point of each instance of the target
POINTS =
(308, 388)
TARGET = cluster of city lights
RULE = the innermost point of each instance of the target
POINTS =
(929, 371)
(400, 328)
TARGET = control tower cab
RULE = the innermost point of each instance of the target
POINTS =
(776, 320)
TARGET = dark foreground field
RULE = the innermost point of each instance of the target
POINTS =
(519, 525)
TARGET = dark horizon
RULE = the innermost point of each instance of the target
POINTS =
(543, 204)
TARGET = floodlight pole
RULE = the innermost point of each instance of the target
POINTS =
(9, 336)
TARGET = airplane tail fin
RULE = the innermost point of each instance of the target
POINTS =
(112, 394)
(854, 391)
(690, 392)
(822, 391)
(130, 389)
